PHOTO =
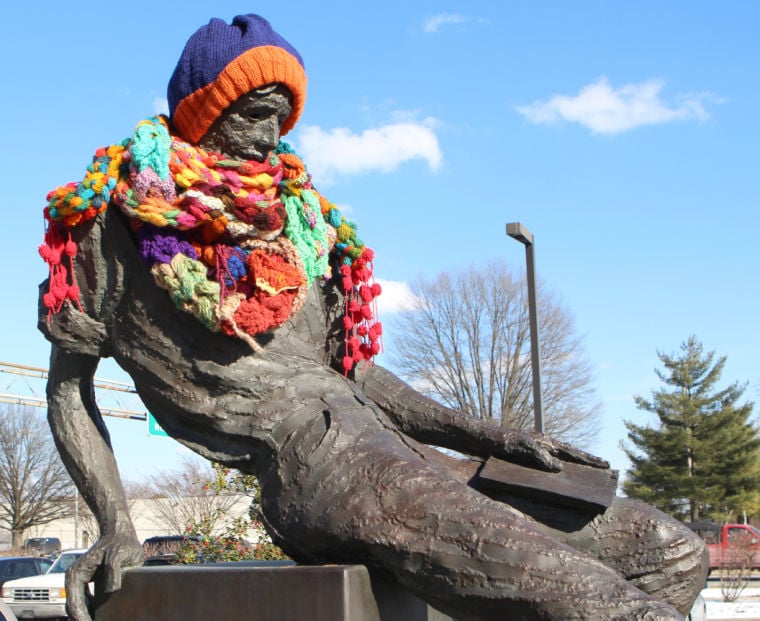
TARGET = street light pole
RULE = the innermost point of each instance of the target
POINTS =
(520, 232)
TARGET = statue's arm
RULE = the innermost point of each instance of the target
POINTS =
(84, 444)
(430, 422)
(79, 339)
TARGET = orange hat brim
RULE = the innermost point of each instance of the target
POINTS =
(253, 69)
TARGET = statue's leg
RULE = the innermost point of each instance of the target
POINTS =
(353, 491)
(652, 550)
(655, 552)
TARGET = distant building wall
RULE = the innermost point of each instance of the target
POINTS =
(82, 531)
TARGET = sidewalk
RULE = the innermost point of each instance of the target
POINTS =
(746, 608)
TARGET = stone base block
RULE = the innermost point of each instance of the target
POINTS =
(260, 592)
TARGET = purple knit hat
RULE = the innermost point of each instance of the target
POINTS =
(223, 61)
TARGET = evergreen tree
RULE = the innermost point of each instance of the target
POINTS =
(702, 460)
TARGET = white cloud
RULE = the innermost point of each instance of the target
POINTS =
(160, 105)
(396, 296)
(344, 208)
(607, 110)
(435, 22)
(341, 152)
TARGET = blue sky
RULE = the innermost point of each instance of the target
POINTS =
(623, 134)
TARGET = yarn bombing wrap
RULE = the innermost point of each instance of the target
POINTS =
(234, 243)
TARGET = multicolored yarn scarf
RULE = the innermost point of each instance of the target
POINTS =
(235, 243)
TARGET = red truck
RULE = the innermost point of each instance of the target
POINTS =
(730, 544)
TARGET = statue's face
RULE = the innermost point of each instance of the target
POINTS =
(250, 128)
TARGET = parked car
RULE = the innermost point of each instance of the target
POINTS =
(12, 567)
(42, 546)
(162, 549)
(42, 597)
(729, 544)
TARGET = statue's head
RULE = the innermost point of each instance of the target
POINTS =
(237, 88)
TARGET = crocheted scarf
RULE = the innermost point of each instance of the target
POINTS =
(235, 243)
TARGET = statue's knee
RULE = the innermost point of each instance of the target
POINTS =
(695, 552)
(680, 545)
(638, 539)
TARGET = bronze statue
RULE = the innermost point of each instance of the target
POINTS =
(264, 364)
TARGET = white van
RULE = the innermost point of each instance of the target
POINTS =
(41, 597)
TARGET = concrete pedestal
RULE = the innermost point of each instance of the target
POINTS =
(260, 592)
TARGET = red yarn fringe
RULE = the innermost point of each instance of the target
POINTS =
(363, 331)
(59, 254)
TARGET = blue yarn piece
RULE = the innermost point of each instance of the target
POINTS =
(236, 267)
(150, 147)
(334, 217)
(284, 147)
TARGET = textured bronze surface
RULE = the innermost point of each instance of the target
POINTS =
(347, 473)
(574, 486)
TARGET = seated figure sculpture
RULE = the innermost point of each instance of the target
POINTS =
(198, 254)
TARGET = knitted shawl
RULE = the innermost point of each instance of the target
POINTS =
(234, 243)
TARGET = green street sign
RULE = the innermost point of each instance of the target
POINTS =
(154, 429)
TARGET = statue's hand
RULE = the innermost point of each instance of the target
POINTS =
(112, 553)
(542, 452)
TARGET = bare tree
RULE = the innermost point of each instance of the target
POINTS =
(35, 488)
(190, 494)
(466, 343)
(736, 571)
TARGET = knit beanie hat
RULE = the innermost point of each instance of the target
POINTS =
(223, 61)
